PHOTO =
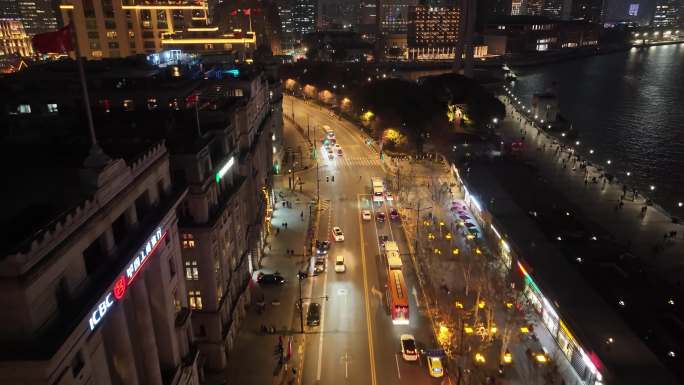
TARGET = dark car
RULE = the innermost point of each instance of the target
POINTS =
(380, 216)
(394, 214)
(322, 247)
(313, 315)
(382, 239)
(270, 279)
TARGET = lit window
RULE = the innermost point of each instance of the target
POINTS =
(191, 271)
(128, 105)
(188, 241)
(24, 109)
(111, 34)
(195, 299)
(52, 107)
(151, 103)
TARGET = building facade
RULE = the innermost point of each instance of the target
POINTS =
(13, 39)
(587, 10)
(221, 134)
(433, 32)
(37, 16)
(96, 296)
(667, 13)
(527, 34)
(111, 29)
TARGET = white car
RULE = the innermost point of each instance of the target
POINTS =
(337, 234)
(408, 347)
(366, 215)
(339, 264)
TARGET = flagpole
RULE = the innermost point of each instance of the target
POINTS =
(96, 157)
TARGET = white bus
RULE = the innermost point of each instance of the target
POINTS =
(393, 260)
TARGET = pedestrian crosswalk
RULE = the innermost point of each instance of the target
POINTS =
(342, 161)
(324, 205)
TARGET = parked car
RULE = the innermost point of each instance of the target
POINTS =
(270, 279)
(435, 366)
(313, 315)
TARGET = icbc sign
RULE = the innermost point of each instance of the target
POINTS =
(126, 278)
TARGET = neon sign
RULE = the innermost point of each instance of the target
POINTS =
(125, 279)
(225, 169)
(100, 311)
(136, 264)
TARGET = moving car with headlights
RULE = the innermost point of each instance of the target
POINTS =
(408, 347)
(394, 214)
(313, 315)
(270, 279)
(380, 216)
(337, 234)
(319, 265)
(366, 215)
(322, 247)
(339, 264)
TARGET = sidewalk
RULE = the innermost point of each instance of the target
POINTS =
(252, 348)
(646, 235)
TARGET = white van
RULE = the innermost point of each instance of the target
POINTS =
(339, 264)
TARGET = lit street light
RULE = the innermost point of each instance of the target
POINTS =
(652, 187)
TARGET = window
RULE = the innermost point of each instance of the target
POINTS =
(151, 103)
(111, 34)
(24, 109)
(52, 108)
(195, 299)
(93, 35)
(188, 241)
(176, 301)
(148, 44)
(105, 104)
(172, 266)
(77, 364)
(128, 105)
(113, 45)
(191, 271)
(110, 24)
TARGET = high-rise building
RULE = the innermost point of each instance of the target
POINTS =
(394, 15)
(37, 16)
(533, 7)
(667, 13)
(303, 17)
(552, 8)
(433, 32)
(587, 10)
(13, 39)
(287, 35)
(111, 29)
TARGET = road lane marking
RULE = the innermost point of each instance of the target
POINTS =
(365, 295)
(396, 360)
(322, 329)
(415, 296)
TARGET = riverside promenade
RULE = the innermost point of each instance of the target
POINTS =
(645, 230)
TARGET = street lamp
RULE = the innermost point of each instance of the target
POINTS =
(680, 204)
(652, 187)
(628, 173)
(495, 120)
(577, 143)
(591, 151)
(608, 162)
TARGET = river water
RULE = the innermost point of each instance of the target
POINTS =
(629, 108)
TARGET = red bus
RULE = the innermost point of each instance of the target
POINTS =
(398, 297)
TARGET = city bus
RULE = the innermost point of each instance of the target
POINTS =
(393, 260)
(398, 297)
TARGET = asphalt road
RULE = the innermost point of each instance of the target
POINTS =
(356, 341)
